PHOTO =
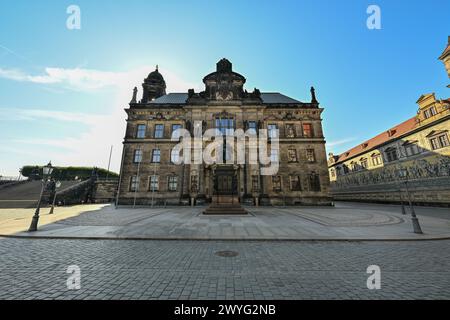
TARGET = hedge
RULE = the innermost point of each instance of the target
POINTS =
(66, 173)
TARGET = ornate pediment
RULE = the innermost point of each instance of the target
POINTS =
(435, 132)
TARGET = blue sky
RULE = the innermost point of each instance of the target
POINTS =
(62, 92)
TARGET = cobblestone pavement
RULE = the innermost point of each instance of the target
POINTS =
(129, 269)
(345, 221)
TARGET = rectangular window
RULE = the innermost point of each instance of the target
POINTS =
(412, 149)
(276, 183)
(292, 155)
(140, 133)
(156, 156)
(443, 140)
(310, 155)
(137, 156)
(175, 156)
(255, 184)
(434, 143)
(345, 167)
(173, 183)
(134, 184)
(252, 127)
(314, 182)
(364, 163)
(274, 155)
(433, 111)
(307, 130)
(159, 131)
(376, 160)
(427, 114)
(289, 130)
(154, 183)
(333, 173)
(174, 128)
(225, 125)
(194, 183)
(391, 154)
(272, 130)
(295, 183)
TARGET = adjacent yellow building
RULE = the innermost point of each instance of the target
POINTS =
(416, 151)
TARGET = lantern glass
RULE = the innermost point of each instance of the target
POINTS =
(48, 169)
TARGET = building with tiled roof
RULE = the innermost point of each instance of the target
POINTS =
(150, 174)
(413, 155)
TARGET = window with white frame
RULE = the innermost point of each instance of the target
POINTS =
(175, 134)
(154, 183)
(439, 141)
(175, 155)
(159, 131)
(391, 154)
(156, 156)
(310, 155)
(272, 130)
(173, 183)
(137, 158)
(134, 183)
(140, 132)
(411, 148)
(376, 159)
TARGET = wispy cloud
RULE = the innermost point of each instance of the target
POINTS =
(91, 145)
(76, 79)
(340, 142)
(81, 79)
(20, 114)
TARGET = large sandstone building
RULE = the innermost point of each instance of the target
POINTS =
(411, 159)
(149, 174)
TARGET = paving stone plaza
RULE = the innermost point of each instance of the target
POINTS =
(130, 269)
(414, 268)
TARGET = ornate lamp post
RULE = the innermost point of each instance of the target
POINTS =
(414, 219)
(46, 171)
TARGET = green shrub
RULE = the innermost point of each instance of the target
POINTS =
(66, 173)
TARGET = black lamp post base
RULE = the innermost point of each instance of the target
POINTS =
(416, 225)
(34, 224)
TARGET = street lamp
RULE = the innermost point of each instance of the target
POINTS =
(46, 171)
(414, 219)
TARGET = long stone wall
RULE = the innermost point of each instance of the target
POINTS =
(428, 182)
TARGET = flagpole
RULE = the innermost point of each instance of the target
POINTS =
(109, 162)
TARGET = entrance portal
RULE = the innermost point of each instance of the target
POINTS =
(225, 199)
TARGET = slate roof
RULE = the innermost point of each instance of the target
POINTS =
(172, 98)
(382, 138)
(267, 97)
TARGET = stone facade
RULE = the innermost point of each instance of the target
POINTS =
(416, 151)
(149, 176)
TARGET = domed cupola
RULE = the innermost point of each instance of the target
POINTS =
(154, 86)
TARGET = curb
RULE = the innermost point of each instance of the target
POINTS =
(432, 238)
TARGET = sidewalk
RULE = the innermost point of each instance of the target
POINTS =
(343, 222)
